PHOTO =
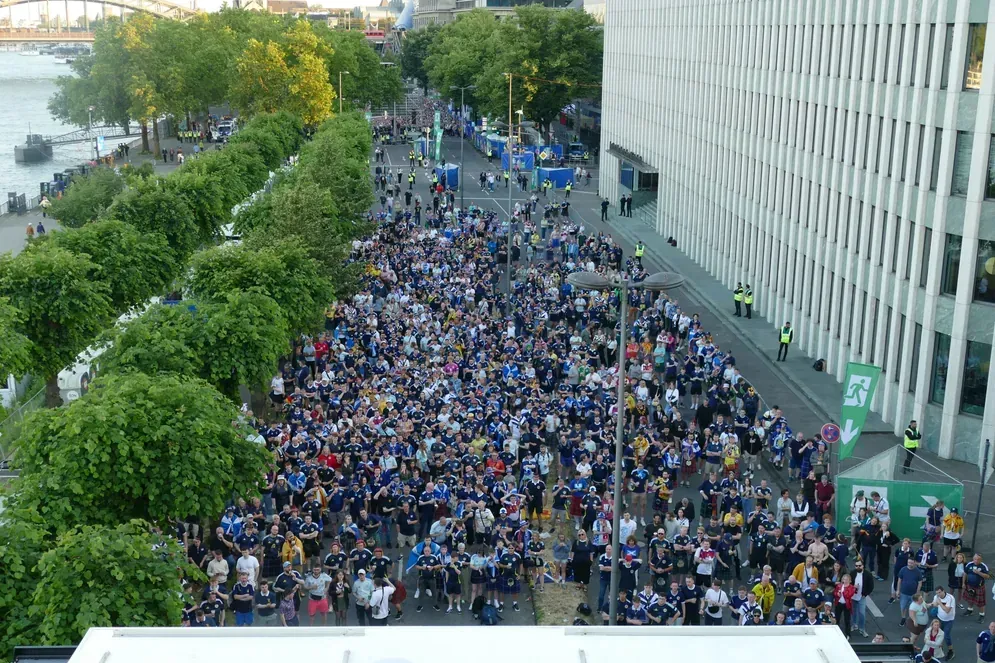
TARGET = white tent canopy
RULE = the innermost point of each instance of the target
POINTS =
(420, 644)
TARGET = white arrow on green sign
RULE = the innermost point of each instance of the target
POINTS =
(858, 392)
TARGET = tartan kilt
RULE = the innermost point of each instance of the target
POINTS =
(493, 583)
(722, 572)
(511, 585)
(976, 597)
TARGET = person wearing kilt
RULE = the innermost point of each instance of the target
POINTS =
(927, 562)
(509, 563)
(661, 564)
(975, 594)
(492, 578)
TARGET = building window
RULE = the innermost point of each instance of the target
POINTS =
(934, 174)
(927, 245)
(975, 56)
(948, 45)
(941, 358)
(915, 53)
(976, 362)
(916, 343)
(984, 272)
(990, 177)
(929, 54)
(951, 264)
(962, 164)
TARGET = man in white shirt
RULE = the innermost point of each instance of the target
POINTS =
(946, 610)
(715, 601)
(249, 565)
(383, 589)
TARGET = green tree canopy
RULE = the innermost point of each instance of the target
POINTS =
(120, 575)
(165, 339)
(282, 271)
(134, 265)
(415, 52)
(87, 198)
(152, 206)
(63, 300)
(136, 446)
(15, 348)
(22, 542)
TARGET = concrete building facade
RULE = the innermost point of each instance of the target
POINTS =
(839, 156)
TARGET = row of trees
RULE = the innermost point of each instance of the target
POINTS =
(537, 44)
(154, 439)
(149, 67)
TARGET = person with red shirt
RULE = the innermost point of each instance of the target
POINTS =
(495, 464)
(843, 603)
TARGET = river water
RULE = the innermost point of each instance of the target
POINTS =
(26, 83)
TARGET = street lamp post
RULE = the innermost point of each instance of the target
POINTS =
(510, 215)
(89, 126)
(591, 281)
(340, 90)
(462, 109)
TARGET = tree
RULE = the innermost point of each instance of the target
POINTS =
(204, 194)
(135, 266)
(262, 78)
(136, 446)
(64, 302)
(87, 198)
(164, 339)
(539, 44)
(371, 81)
(282, 271)
(121, 575)
(152, 206)
(462, 50)
(15, 348)
(22, 541)
(246, 336)
(415, 52)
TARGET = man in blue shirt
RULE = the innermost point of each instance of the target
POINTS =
(986, 644)
(636, 614)
(909, 584)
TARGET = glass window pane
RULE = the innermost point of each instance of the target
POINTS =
(975, 55)
(984, 272)
(916, 344)
(927, 248)
(941, 358)
(976, 361)
(934, 174)
(948, 44)
(962, 164)
(990, 177)
(951, 265)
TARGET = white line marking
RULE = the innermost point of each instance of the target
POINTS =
(872, 606)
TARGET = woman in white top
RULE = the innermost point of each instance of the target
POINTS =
(672, 396)
(859, 502)
(933, 639)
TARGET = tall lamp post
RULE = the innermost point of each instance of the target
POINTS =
(462, 109)
(340, 90)
(591, 281)
(511, 217)
(89, 126)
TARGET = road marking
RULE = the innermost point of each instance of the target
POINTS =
(873, 607)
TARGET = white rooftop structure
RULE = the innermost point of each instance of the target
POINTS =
(420, 644)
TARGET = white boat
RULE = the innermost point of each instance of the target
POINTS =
(30, 52)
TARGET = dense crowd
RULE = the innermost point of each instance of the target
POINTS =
(442, 437)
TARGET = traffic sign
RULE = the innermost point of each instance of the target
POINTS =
(858, 392)
(831, 433)
(544, 155)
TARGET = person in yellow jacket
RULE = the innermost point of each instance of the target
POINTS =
(737, 299)
(785, 336)
(764, 591)
(911, 444)
(748, 300)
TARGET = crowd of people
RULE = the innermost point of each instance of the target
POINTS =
(446, 441)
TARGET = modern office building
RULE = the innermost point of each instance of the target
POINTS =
(838, 155)
(444, 11)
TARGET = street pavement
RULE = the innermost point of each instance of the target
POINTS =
(806, 397)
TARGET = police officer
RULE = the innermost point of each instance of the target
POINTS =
(604, 209)
(567, 189)
(737, 298)
(911, 444)
(507, 177)
(786, 336)
(748, 300)
(411, 158)
(490, 155)
(640, 250)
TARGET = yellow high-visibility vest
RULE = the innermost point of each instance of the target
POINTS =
(737, 294)
(912, 442)
(640, 249)
(748, 297)
(785, 335)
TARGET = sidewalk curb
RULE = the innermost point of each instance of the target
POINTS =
(803, 391)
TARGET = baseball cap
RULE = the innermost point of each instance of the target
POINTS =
(813, 581)
(286, 564)
(628, 558)
(503, 512)
(361, 572)
(601, 514)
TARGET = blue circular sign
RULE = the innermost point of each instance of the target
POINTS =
(831, 433)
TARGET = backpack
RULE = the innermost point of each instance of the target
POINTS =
(477, 606)
(489, 615)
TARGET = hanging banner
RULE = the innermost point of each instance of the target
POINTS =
(858, 392)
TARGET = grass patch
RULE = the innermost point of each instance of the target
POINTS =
(557, 606)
